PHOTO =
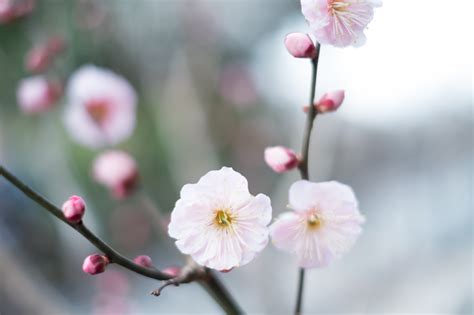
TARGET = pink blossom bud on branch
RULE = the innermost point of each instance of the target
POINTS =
(281, 159)
(300, 45)
(73, 209)
(329, 102)
(144, 261)
(95, 264)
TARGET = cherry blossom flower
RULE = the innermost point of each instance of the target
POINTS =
(117, 170)
(101, 109)
(339, 23)
(281, 159)
(37, 94)
(325, 222)
(218, 222)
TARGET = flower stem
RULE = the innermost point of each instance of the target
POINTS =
(303, 166)
(215, 288)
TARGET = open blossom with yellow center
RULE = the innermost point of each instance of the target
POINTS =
(339, 22)
(218, 222)
(324, 224)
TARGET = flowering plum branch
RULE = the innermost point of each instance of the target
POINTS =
(195, 273)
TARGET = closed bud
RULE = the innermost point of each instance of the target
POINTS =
(95, 264)
(300, 45)
(144, 261)
(330, 102)
(74, 208)
(281, 159)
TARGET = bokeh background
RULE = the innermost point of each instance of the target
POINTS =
(216, 86)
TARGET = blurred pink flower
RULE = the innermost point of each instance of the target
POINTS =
(143, 260)
(40, 56)
(74, 209)
(95, 264)
(218, 222)
(325, 222)
(281, 159)
(37, 94)
(300, 45)
(11, 10)
(117, 170)
(101, 109)
(339, 22)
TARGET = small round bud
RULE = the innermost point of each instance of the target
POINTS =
(330, 102)
(172, 271)
(300, 45)
(144, 261)
(116, 170)
(95, 264)
(281, 159)
(74, 208)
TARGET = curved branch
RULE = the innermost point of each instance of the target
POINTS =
(112, 254)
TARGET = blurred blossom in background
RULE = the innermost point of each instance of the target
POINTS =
(215, 86)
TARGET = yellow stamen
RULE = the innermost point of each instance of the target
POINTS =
(314, 221)
(223, 218)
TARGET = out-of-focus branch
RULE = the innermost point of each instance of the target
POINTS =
(303, 166)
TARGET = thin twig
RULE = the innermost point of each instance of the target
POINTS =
(111, 253)
(303, 166)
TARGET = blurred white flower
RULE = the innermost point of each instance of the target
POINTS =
(324, 224)
(101, 107)
(218, 222)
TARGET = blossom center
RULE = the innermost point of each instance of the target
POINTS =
(336, 7)
(98, 110)
(223, 218)
(313, 221)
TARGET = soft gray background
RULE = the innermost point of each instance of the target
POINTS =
(403, 140)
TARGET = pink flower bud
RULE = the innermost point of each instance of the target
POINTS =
(74, 208)
(37, 59)
(116, 170)
(95, 264)
(281, 159)
(37, 94)
(330, 101)
(11, 10)
(172, 271)
(300, 45)
(55, 45)
(144, 261)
